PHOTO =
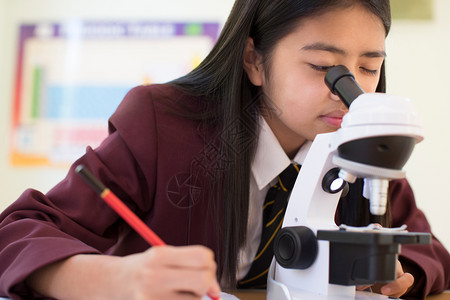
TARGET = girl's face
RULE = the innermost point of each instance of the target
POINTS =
(302, 105)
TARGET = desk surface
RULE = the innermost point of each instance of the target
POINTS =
(261, 295)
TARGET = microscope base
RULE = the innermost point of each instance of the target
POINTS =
(279, 291)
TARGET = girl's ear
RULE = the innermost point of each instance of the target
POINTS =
(252, 63)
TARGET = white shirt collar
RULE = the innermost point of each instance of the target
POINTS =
(270, 159)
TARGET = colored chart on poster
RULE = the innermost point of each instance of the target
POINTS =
(71, 77)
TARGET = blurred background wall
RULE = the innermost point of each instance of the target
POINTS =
(417, 66)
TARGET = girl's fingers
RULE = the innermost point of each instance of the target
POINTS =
(215, 290)
(194, 257)
(399, 286)
(193, 281)
(184, 271)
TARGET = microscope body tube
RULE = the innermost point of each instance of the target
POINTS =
(342, 82)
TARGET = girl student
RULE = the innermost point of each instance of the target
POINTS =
(194, 159)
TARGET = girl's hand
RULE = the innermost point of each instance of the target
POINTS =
(163, 272)
(400, 285)
(396, 288)
(171, 273)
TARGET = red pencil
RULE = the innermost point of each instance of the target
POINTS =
(122, 210)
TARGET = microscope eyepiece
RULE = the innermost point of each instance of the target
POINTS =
(341, 82)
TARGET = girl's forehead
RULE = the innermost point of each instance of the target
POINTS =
(338, 14)
(353, 23)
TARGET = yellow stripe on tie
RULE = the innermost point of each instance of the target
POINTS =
(282, 185)
(297, 168)
(267, 245)
(256, 277)
(274, 218)
(268, 203)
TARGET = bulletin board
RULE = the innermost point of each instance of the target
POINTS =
(70, 77)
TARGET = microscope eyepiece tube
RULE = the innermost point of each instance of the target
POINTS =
(341, 82)
(378, 195)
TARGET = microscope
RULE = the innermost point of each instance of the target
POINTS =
(313, 257)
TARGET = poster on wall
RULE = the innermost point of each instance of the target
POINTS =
(71, 77)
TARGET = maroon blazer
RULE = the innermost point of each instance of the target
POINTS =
(159, 164)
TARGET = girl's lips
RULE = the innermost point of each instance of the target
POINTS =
(333, 119)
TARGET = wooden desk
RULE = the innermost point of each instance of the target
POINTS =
(250, 294)
(261, 295)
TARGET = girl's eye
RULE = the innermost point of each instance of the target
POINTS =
(370, 72)
(327, 68)
(320, 68)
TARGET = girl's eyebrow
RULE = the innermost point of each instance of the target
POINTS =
(319, 46)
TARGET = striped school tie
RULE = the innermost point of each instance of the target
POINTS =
(273, 214)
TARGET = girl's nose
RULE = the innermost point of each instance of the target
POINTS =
(334, 97)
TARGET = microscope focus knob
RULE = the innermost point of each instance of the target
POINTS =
(295, 247)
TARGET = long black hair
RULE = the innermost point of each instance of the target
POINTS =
(233, 104)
